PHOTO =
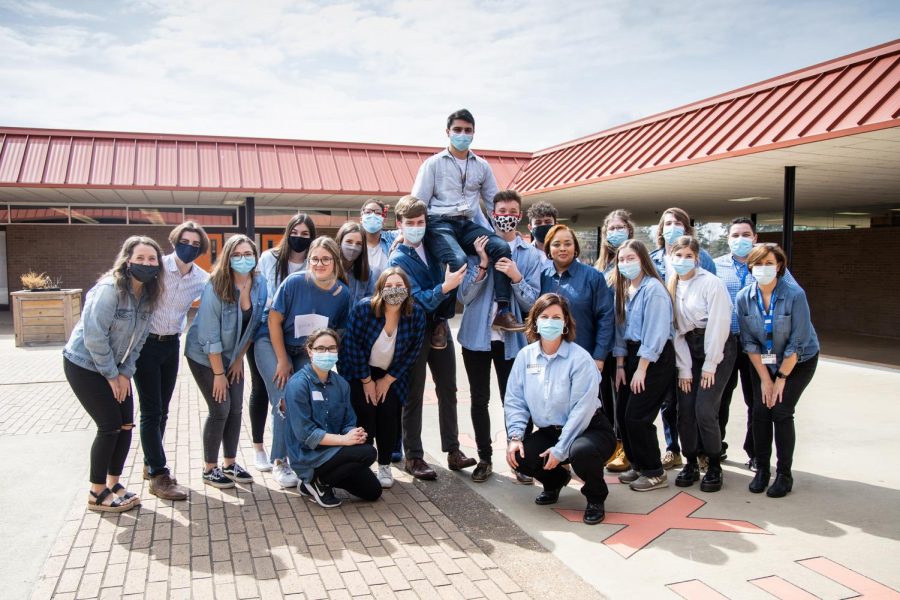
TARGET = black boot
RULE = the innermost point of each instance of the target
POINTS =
(761, 480)
(689, 474)
(712, 481)
(781, 487)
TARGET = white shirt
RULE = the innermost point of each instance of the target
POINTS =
(378, 260)
(420, 250)
(170, 315)
(382, 353)
(701, 302)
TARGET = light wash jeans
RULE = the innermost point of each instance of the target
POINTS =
(266, 361)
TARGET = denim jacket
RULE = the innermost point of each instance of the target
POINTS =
(112, 330)
(792, 329)
(217, 327)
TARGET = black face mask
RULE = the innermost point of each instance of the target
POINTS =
(540, 232)
(299, 244)
(186, 253)
(143, 273)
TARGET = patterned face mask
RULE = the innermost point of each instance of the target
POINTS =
(395, 295)
(506, 223)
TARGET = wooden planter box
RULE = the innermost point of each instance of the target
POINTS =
(45, 317)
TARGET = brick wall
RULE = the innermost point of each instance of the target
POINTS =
(851, 278)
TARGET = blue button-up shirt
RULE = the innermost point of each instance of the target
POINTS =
(737, 275)
(648, 320)
(447, 189)
(478, 298)
(556, 390)
(792, 328)
(591, 304)
(658, 257)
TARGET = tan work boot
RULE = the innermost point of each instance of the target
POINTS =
(166, 487)
(619, 462)
(671, 460)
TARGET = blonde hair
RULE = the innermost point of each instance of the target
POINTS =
(332, 248)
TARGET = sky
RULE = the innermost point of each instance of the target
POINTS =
(534, 73)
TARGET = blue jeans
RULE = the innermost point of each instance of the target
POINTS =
(266, 361)
(450, 239)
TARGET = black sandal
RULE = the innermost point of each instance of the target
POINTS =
(116, 506)
(129, 497)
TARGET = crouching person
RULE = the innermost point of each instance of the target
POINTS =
(325, 447)
(554, 383)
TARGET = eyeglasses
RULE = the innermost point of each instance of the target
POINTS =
(325, 349)
(244, 255)
(325, 260)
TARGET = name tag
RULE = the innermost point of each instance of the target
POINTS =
(534, 369)
(769, 359)
(306, 324)
(317, 396)
(462, 207)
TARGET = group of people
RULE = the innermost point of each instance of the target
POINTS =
(339, 333)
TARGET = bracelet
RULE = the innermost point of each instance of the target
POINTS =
(218, 374)
(367, 380)
(482, 268)
(620, 367)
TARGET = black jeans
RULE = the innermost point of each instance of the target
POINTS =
(588, 454)
(259, 399)
(478, 370)
(111, 444)
(154, 378)
(607, 392)
(451, 239)
(669, 413)
(380, 421)
(349, 470)
(636, 412)
(780, 417)
(743, 367)
(223, 423)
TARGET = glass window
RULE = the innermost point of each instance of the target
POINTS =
(38, 214)
(155, 216)
(274, 217)
(212, 217)
(99, 215)
(4, 213)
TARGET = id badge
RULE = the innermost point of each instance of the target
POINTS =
(462, 208)
(769, 359)
(534, 369)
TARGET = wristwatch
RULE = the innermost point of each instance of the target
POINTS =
(780, 375)
(515, 438)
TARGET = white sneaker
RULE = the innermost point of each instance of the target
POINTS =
(262, 463)
(284, 475)
(385, 477)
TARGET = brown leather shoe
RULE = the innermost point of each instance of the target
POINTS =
(166, 487)
(439, 336)
(419, 469)
(507, 322)
(482, 471)
(146, 473)
(456, 460)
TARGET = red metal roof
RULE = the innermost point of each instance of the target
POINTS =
(90, 159)
(856, 93)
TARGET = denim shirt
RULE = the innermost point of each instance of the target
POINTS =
(648, 320)
(360, 289)
(737, 275)
(426, 280)
(439, 184)
(792, 328)
(658, 257)
(312, 409)
(217, 327)
(556, 390)
(111, 324)
(478, 298)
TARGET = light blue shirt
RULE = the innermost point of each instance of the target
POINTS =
(440, 182)
(648, 320)
(360, 289)
(737, 275)
(556, 390)
(478, 298)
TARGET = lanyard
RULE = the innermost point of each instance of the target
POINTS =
(768, 317)
(464, 174)
(742, 271)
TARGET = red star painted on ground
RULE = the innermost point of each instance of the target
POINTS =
(675, 513)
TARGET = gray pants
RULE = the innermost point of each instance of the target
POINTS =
(443, 371)
(698, 410)
(223, 424)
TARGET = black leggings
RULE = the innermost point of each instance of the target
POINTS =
(380, 422)
(111, 444)
(349, 470)
(259, 399)
(223, 423)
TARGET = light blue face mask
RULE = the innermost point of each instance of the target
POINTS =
(630, 270)
(683, 266)
(461, 141)
(324, 361)
(671, 233)
(372, 223)
(740, 246)
(616, 237)
(243, 265)
(550, 329)
(413, 235)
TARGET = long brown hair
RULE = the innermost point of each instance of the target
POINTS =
(607, 252)
(672, 284)
(152, 290)
(222, 276)
(283, 251)
(620, 283)
(679, 214)
(360, 266)
(406, 307)
(542, 304)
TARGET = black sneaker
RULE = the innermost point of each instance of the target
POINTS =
(236, 472)
(216, 478)
(321, 494)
